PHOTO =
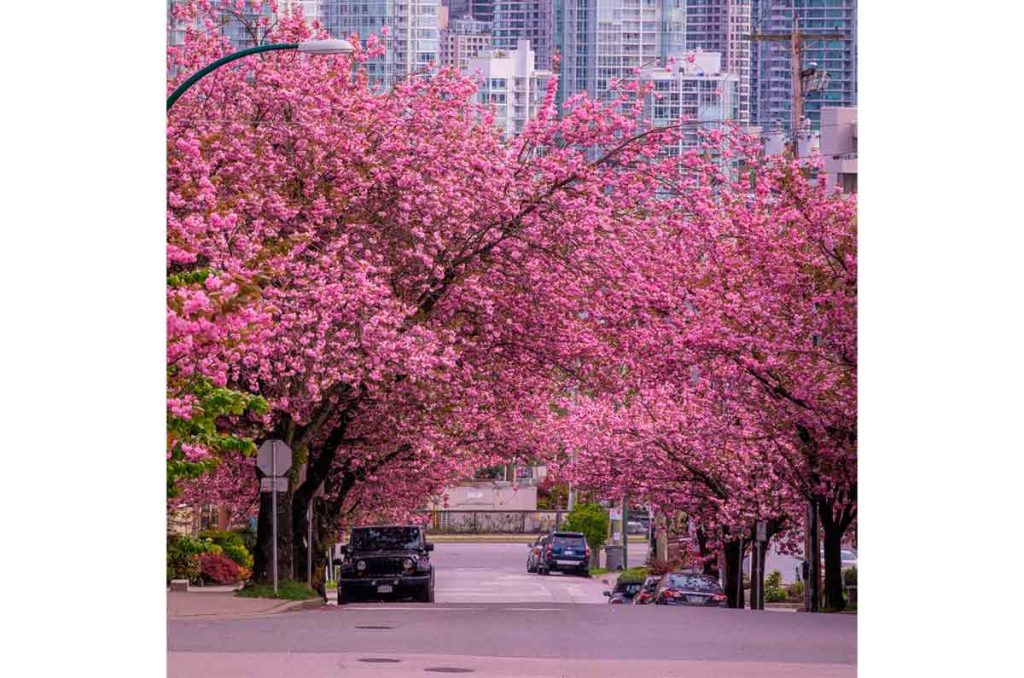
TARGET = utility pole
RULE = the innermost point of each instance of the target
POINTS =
(625, 532)
(796, 39)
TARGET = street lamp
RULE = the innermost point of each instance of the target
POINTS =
(307, 47)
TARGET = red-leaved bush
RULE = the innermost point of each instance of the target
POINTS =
(219, 569)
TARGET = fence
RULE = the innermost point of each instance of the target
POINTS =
(493, 522)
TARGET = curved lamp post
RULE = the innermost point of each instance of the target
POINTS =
(308, 47)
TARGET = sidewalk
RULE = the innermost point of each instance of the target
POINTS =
(226, 605)
(381, 665)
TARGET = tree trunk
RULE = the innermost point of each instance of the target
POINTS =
(709, 565)
(834, 527)
(320, 460)
(262, 558)
(833, 571)
(734, 573)
(757, 570)
(772, 527)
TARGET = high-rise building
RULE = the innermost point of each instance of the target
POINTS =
(603, 41)
(531, 20)
(723, 26)
(697, 88)
(511, 84)
(413, 41)
(771, 65)
(312, 10)
(462, 39)
(478, 9)
(242, 26)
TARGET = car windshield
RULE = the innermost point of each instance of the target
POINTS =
(693, 582)
(571, 542)
(386, 538)
(627, 589)
(848, 555)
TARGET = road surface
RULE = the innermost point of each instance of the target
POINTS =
(492, 618)
(496, 573)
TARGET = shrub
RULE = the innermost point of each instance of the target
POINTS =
(633, 575)
(591, 520)
(190, 545)
(850, 576)
(244, 574)
(222, 537)
(796, 590)
(248, 537)
(219, 569)
(183, 565)
(231, 544)
(773, 591)
(239, 554)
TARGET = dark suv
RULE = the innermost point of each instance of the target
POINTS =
(565, 552)
(387, 561)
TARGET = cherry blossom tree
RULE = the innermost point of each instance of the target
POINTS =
(735, 348)
(416, 272)
(413, 295)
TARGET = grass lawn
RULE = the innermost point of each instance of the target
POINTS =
(286, 590)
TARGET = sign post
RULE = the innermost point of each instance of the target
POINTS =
(758, 582)
(274, 458)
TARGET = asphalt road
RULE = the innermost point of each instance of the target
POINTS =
(492, 618)
(496, 573)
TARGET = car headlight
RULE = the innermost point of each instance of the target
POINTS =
(408, 563)
(361, 565)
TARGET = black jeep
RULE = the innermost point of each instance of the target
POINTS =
(386, 561)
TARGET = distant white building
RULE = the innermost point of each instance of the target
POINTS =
(839, 147)
(510, 83)
(695, 87)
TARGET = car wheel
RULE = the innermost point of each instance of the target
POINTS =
(585, 573)
(345, 596)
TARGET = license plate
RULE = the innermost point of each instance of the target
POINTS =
(384, 588)
(568, 552)
(695, 599)
(567, 562)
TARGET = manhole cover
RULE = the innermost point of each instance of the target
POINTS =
(372, 626)
(379, 660)
(449, 669)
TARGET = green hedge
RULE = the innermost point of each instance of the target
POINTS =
(591, 520)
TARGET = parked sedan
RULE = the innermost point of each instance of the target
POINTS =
(645, 595)
(623, 593)
(689, 588)
(536, 549)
